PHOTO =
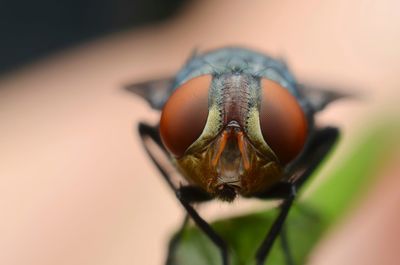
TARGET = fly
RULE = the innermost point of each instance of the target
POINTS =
(234, 122)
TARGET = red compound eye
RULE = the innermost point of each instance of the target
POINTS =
(283, 123)
(185, 114)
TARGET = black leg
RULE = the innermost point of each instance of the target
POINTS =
(186, 195)
(265, 247)
(208, 230)
(152, 133)
(316, 150)
(193, 194)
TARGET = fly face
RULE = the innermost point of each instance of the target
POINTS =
(231, 131)
(235, 122)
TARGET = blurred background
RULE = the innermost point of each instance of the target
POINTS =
(31, 30)
(75, 184)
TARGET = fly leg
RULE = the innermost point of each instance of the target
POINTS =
(265, 247)
(149, 132)
(190, 194)
(207, 229)
(187, 195)
(321, 142)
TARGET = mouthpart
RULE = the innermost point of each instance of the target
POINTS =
(230, 160)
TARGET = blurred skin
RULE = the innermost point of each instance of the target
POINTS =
(76, 186)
